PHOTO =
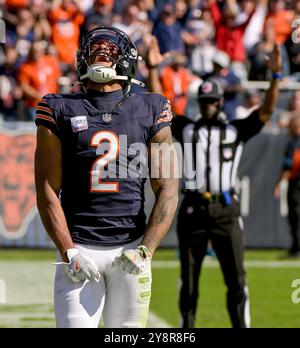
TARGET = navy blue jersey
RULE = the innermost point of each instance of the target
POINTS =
(103, 210)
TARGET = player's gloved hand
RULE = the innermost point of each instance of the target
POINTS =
(79, 268)
(133, 261)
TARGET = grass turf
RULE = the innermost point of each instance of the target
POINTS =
(161, 254)
(270, 297)
(270, 292)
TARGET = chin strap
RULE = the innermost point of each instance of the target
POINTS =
(137, 82)
(127, 88)
(104, 74)
(117, 77)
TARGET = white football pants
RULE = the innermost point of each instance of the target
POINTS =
(120, 298)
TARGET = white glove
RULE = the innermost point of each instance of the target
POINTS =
(134, 261)
(79, 268)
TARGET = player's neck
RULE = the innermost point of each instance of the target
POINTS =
(103, 87)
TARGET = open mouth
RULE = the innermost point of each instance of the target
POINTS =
(103, 52)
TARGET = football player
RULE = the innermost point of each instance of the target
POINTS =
(97, 221)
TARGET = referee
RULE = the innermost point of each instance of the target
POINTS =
(210, 211)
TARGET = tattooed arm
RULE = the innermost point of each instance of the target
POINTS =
(163, 173)
(165, 187)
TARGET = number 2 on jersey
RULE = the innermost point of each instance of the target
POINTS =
(97, 185)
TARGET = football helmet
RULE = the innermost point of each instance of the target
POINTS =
(104, 45)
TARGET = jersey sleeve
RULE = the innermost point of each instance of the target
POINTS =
(178, 125)
(45, 116)
(248, 127)
(162, 118)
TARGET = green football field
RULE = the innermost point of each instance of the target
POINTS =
(28, 277)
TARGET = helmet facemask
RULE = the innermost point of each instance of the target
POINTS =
(107, 54)
(102, 51)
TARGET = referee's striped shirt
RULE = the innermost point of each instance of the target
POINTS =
(221, 147)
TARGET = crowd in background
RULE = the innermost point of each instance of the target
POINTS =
(227, 40)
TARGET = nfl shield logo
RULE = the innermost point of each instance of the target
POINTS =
(106, 117)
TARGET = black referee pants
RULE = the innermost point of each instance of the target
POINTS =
(197, 224)
(293, 199)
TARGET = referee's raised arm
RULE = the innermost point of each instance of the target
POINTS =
(274, 64)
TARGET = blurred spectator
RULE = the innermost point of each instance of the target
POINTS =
(100, 14)
(182, 12)
(39, 9)
(22, 36)
(281, 20)
(144, 6)
(84, 5)
(120, 6)
(152, 60)
(175, 80)
(293, 46)
(198, 36)
(257, 56)
(254, 29)
(195, 28)
(10, 92)
(38, 76)
(155, 8)
(229, 35)
(294, 111)
(229, 81)
(252, 100)
(168, 31)
(134, 23)
(65, 19)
